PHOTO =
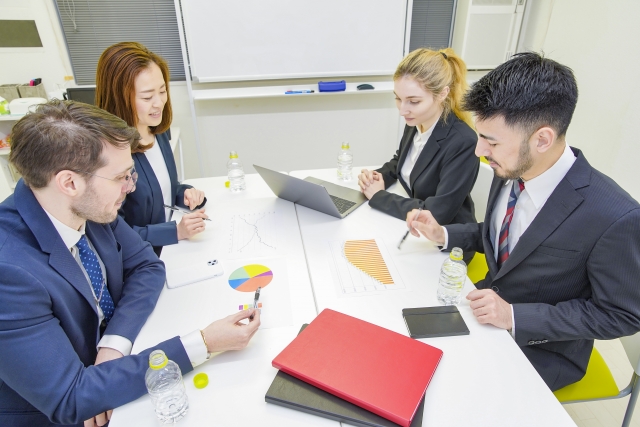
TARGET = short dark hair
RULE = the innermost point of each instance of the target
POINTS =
(528, 91)
(65, 135)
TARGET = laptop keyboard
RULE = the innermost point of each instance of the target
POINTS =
(343, 205)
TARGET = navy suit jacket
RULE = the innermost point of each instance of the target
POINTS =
(49, 321)
(144, 209)
(442, 178)
(573, 276)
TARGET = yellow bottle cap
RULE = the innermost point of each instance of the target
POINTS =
(456, 254)
(233, 155)
(201, 380)
(158, 360)
(345, 145)
(227, 184)
(68, 78)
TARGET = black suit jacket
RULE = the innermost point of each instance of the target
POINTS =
(441, 179)
(574, 274)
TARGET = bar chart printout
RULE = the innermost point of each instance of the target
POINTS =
(365, 256)
(361, 267)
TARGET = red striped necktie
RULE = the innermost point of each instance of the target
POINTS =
(503, 243)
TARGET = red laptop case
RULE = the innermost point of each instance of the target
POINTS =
(369, 366)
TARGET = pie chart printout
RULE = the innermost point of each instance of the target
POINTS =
(249, 277)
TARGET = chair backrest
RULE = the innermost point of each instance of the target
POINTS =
(631, 346)
(480, 191)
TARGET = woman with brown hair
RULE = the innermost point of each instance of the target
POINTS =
(436, 162)
(132, 83)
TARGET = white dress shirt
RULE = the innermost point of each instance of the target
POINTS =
(419, 141)
(192, 342)
(159, 166)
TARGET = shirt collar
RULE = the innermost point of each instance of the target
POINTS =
(541, 187)
(422, 137)
(69, 236)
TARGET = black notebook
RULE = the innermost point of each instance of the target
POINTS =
(430, 322)
(293, 393)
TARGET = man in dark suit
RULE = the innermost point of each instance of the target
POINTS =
(77, 282)
(560, 238)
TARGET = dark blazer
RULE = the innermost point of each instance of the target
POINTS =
(143, 209)
(573, 276)
(441, 179)
(49, 321)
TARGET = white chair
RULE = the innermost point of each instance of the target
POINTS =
(480, 191)
(477, 269)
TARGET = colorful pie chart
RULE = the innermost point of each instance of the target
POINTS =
(250, 277)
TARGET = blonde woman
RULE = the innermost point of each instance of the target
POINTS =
(436, 162)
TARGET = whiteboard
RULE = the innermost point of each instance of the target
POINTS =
(281, 39)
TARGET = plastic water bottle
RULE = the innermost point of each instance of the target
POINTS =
(345, 163)
(235, 173)
(165, 386)
(452, 277)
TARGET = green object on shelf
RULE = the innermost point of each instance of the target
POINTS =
(4, 106)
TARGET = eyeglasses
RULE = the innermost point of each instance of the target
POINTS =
(128, 182)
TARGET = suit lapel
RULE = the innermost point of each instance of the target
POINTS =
(165, 147)
(60, 259)
(496, 185)
(405, 146)
(431, 148)
(154, 185)
(562, 202)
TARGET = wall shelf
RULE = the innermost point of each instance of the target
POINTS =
(279, 91)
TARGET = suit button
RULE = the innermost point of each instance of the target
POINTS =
(495, 289)
(531, 342)
(538, 342)
(545, 341)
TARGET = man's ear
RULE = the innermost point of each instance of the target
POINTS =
(69, 183)
(544, 139)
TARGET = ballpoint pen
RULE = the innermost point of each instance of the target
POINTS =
(173, 208)
(256, 297)
(408, 231)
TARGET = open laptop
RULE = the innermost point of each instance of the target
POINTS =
(313, 193)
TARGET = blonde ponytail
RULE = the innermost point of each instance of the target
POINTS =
(435, 70)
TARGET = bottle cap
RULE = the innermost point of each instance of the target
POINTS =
(201, 380)
(227, 184)
(68, 78)
(345, 145)
(456, 254)
(157, 359)
(233, 155)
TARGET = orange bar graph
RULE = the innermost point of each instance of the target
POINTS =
(365, 256)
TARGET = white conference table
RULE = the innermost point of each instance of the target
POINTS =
(483, 379)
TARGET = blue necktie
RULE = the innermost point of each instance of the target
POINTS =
(92, 266)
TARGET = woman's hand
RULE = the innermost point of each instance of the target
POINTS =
(370, 182)
(193, 197)
(191, 224)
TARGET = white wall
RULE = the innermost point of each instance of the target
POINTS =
(598, 40)
(595, 38)
(49, 62)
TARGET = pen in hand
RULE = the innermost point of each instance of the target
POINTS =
(173, 208)
(408, 231)
(256, 297)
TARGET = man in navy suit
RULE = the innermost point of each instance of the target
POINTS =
(560, 238)
(77, 282)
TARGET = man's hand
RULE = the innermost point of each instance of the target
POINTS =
(104, 355)
(230, 333)
(193, 197)
(488, 307)
(370, 182)
(422, 222)
(191, 224)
